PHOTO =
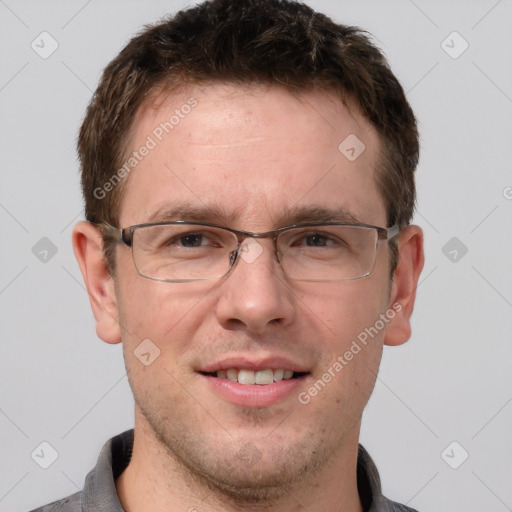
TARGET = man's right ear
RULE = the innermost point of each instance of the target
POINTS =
(87, 244)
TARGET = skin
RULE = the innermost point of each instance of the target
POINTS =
(253, 154)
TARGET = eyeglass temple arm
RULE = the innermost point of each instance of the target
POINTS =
(123, 236)
(389, 233)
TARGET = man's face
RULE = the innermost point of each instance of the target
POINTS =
(251, 159)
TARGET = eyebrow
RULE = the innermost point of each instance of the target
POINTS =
(191, 212)
(217, 214)
(313, 213)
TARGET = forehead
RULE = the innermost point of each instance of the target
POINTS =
(253, 153)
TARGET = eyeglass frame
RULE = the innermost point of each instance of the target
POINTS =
(125, 236)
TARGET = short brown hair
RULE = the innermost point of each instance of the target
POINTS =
(275, 42)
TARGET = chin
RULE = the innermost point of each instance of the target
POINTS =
(245, 470)
(248, 477)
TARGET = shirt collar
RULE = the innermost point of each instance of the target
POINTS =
(100, 492)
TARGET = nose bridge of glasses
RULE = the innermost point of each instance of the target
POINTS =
(250, 245)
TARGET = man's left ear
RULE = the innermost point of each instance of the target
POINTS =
(405, 282)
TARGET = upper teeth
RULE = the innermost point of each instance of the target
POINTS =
(254, 377)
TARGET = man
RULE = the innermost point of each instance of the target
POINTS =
(247, 169)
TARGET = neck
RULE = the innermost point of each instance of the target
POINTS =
(156, 480)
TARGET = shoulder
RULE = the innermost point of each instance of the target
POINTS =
(392, 506)
(369, 487)
(72, 503)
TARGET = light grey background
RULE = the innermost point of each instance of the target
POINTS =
(451, 382)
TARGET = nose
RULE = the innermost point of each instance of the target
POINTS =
(255, 295)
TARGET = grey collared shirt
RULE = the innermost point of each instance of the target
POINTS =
(100, 495)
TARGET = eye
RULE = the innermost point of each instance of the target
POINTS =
(170, 239)
(190, 240)
(316, 240)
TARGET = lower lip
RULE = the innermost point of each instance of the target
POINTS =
(255, 395)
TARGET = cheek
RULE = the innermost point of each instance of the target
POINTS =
(346, 320)
(342, 311)
(158, 323)
(159, 311)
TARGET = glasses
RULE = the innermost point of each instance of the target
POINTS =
(181, 251)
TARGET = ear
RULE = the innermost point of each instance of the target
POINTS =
(405, 282)
(88, 247)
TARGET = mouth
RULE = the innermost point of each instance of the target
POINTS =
(262, 377)
(254, 382)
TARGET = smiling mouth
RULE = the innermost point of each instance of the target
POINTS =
(259, 377)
